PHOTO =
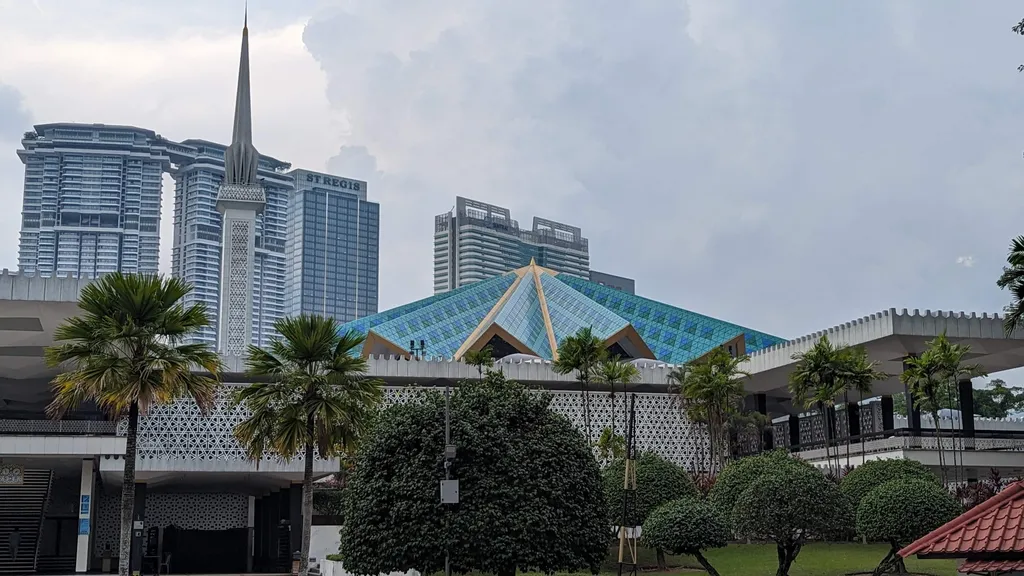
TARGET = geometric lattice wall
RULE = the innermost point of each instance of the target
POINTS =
(180, 431)
(661, 427)
(191, 511)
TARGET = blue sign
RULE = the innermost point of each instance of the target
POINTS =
(83, 526)
(85, 505)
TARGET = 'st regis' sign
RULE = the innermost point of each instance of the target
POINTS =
(333, 182)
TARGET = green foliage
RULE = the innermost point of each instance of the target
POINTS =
(905, 509)
(1012, 278)
(582, 353)
(685, 526)
(530, 488)
(329, 502)
(870, 475)
(739, 474)
(658, 481)
(789, 506)
(710, 389)
(483, 358)
(318, 395)
(997, 400)
(610, 446)
(126, 347)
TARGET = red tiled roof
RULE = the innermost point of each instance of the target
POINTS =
(986, 566)
(996, 525)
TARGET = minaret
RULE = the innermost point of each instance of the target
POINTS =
(239, 200)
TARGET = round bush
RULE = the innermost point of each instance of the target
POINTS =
(685, 526)
(791, 500)
(870, 475)
(658, 481)
(530, 495)
(905, 509)
(739, 474)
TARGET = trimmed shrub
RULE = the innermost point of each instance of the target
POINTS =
(686, 526)
(870, 475)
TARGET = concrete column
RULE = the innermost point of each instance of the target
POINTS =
(85, 506)
(888, 415)
(274, 526)
(913, 411)
(794, 431)
(295, 518)
(252, 532)
(853, 419)
(139, 527)
(260, 527)
(965, 389)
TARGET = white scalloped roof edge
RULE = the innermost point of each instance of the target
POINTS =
(878, 315)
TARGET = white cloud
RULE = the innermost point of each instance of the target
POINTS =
(965, 261)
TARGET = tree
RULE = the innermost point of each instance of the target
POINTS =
(316, 401)
(995, 401)
(791, 505)
(610, 446)
(125, 352)
(615, 371)
(583, 353)
(872, 474)
(1012, 278)
(744, 425)
(899, 512)
(530, 488)
(686, 526)
(658, 481)
(824, 372)
(931, 377)
(712, 389)
(482, 358)
(740, 474)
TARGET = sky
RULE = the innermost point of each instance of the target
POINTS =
(786, 165)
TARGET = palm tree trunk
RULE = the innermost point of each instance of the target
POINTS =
(846, 401)
(307, 500)
(824, 433)
(938, 446)
(128, 492)
(586, 412)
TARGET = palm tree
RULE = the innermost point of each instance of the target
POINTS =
(125, 352)
(857, 374)
(1012, 278)
(951, 358)
(615, 371)
(924, 377)
(317, 398)
(480, 358)
(695, 413)
(932, 378)
(583, 353)
(816, 381)
(713, 388)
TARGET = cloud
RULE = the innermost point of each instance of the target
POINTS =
(735, 158)
(965, 261)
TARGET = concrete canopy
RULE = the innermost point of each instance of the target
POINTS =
(890, 336)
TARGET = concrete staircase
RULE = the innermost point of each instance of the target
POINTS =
(22, 507)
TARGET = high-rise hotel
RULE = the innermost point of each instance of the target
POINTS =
(92, 199)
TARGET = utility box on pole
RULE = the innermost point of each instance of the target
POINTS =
(449, 491)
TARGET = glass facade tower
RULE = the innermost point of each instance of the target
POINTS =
(195, 256)
(333, 247)
(91, 200)
(478, 241)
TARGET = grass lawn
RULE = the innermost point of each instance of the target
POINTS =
(814, 560)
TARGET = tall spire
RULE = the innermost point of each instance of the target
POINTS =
(241, 158)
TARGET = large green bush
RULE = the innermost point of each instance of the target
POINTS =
(901, 511)
(789, 506)
(686, 526)
(530, 489)
(870, 475)
(739, 474)
(658, 481)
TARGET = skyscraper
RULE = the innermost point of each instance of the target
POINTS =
(333, 246)
(477, 241)
(214, 184)
(92, 199)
